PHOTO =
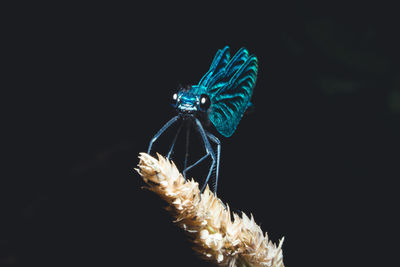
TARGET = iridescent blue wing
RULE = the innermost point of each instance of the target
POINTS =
(236, 62)
(217, 66)
(231, 91)
(222, 69)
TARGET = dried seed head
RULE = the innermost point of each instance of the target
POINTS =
(216, 236)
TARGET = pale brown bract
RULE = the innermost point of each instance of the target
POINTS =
(218, 236)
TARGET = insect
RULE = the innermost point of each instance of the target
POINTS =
(221, 97)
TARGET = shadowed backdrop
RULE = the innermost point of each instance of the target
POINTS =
(315, 162)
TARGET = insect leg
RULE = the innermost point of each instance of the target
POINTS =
(174, 141)
(187, 145)
(216, 141)
(188, 125)
(209, 150)
(208, 176)
(194, 164)
(165, 127)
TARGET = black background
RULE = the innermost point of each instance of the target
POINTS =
(316, 162)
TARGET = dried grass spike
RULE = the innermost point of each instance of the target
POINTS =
(216, 236)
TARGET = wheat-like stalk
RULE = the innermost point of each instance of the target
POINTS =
(219, 237)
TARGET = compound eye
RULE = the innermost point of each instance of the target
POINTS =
(174, 99)
(205, 102)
